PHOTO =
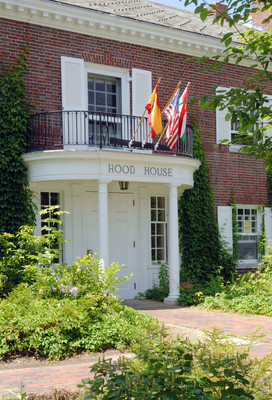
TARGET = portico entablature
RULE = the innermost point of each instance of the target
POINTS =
(119, 166)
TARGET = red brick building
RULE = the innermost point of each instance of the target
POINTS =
(92, 68)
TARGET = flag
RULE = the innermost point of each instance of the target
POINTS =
(183, 114)
(172, 114)
(154, 113)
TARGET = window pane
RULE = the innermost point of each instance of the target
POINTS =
(153, 229)
(161, 202)
(91, 97)
(160, 229)
(153, 215)
(100, 85)
(153, 241)
(247, 250)
(111, 100)
(100, 99)
(44, 198)
(54, 199)
(153, 202)
(153, 255)
(161, 215)
(111, 87)
(90, 84)
(160, 241)
(160, 255)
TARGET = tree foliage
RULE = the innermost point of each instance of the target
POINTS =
(252, 104)
(16, 207)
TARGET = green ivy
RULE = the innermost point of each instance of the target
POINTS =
(16, 206)
(203, 253)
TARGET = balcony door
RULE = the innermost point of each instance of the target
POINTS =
(104, 107)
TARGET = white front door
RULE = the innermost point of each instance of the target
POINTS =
(122, 236)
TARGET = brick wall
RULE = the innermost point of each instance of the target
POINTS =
(229, 171)
(259, 16)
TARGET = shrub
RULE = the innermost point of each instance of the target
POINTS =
(20, 253)
(251, 293)
(179, 369)
(196, 294)
(158, 293)
(60, 327)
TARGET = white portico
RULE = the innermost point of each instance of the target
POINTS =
(138, 227)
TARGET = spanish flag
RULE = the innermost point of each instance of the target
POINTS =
(154, 113)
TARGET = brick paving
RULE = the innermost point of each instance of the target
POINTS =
(61, 376)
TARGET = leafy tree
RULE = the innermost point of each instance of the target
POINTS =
(250, 106)
(16, 206)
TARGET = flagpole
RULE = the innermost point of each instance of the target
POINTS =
(178, 85)
(131, 140)
(158, 142)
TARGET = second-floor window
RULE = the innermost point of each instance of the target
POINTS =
(104, 94)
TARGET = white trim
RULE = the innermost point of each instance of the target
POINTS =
(85, 21)
(106, 70)
(141, 90)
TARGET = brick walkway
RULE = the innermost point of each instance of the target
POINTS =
(45, 378)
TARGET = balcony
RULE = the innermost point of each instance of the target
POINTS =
(94, 130)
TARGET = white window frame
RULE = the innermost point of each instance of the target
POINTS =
(165, 225)
(113, 72)
(250, 261)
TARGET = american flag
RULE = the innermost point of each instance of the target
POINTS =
(172, 114)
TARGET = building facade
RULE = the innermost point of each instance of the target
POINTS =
(92, 68)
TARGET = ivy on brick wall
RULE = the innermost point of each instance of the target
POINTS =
(16, 206)
(203, 252)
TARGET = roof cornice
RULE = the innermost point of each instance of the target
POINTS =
(85, 21)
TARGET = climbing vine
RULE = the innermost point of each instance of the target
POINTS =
(203, 253)
(16, 206)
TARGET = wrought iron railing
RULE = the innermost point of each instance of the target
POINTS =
(66, 129)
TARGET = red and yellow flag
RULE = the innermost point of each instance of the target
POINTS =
(154, 113)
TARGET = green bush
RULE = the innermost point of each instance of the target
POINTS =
(21, 253)
(60, 327)
(160, 292)
(251, 293)
(196, 294)
(179, 369)
(57, 310)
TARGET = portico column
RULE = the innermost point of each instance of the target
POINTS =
(103, 222)
(173, 246)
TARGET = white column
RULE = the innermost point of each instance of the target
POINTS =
(173, 246)
(103, 222)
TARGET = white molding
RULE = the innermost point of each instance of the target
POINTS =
(85, 21)
(89, 165)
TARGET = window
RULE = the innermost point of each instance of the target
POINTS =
(158, 229)
(104, 106)
(49, 199)
(248, 230)
(104, 94)
(241, 139)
